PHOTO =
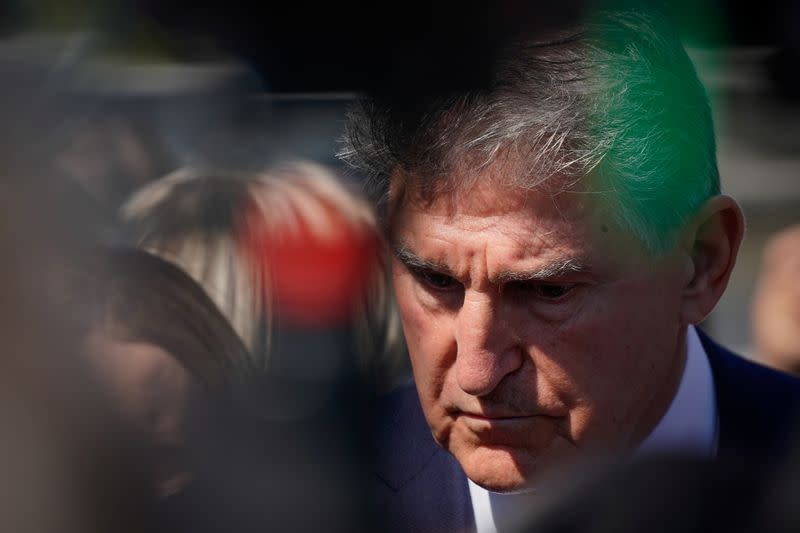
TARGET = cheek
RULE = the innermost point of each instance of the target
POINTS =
(418, 326)
(412, 313)
(618, 325)
(605, 361)
(428, 338)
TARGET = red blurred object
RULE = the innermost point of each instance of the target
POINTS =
(313, 277)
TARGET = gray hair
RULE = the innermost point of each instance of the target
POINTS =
(616, 99)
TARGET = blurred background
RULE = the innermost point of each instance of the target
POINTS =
(101, 98)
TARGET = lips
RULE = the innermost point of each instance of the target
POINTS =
(504, 413)
(510, 429)
(498, 419)
(479, 416)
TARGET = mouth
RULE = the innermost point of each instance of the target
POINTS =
(512, 430)
(498, 414)
(494, 418)
(501, 425)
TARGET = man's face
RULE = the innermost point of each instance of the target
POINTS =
(537, 330)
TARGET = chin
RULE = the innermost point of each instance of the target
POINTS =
(498, 469)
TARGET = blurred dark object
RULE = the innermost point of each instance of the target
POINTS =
(659, 494)
(282, 473)
(783, 68)
(302, 47)
(67, 466)
(678, 493)
(311, 47)
(307, 47)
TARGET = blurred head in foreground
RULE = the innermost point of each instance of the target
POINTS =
(776, 305)
(159, 348)
(292, 247)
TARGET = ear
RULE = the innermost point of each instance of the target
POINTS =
(711, 241)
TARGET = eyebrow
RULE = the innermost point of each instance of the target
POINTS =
(411, 260)
(552, 270)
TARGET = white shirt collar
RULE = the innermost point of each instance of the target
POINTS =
(690, 423)
(688, 426)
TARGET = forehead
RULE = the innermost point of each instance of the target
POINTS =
(558, 220)
(494, 204)
(471, 182)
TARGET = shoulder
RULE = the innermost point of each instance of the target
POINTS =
(402, 440)
(733, 373)
(758, 407)
(419, 486)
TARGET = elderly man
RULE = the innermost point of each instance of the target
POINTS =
(556, 235)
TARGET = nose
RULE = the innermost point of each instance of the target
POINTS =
(487, 347)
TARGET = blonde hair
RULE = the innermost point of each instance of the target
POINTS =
(198, 218)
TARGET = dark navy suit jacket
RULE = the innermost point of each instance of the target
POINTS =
(421, 487)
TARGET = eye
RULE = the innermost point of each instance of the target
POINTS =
(542, 291)
(435, 280)
(552, 292)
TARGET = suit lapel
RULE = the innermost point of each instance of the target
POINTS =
(757, 406)
(427, 490)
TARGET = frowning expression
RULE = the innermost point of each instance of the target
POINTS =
(536, 329)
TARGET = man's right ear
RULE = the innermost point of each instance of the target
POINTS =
(711, 240)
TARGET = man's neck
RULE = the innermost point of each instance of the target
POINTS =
(662, 397)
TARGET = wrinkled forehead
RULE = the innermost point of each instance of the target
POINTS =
(499, 186)
(558, 213)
